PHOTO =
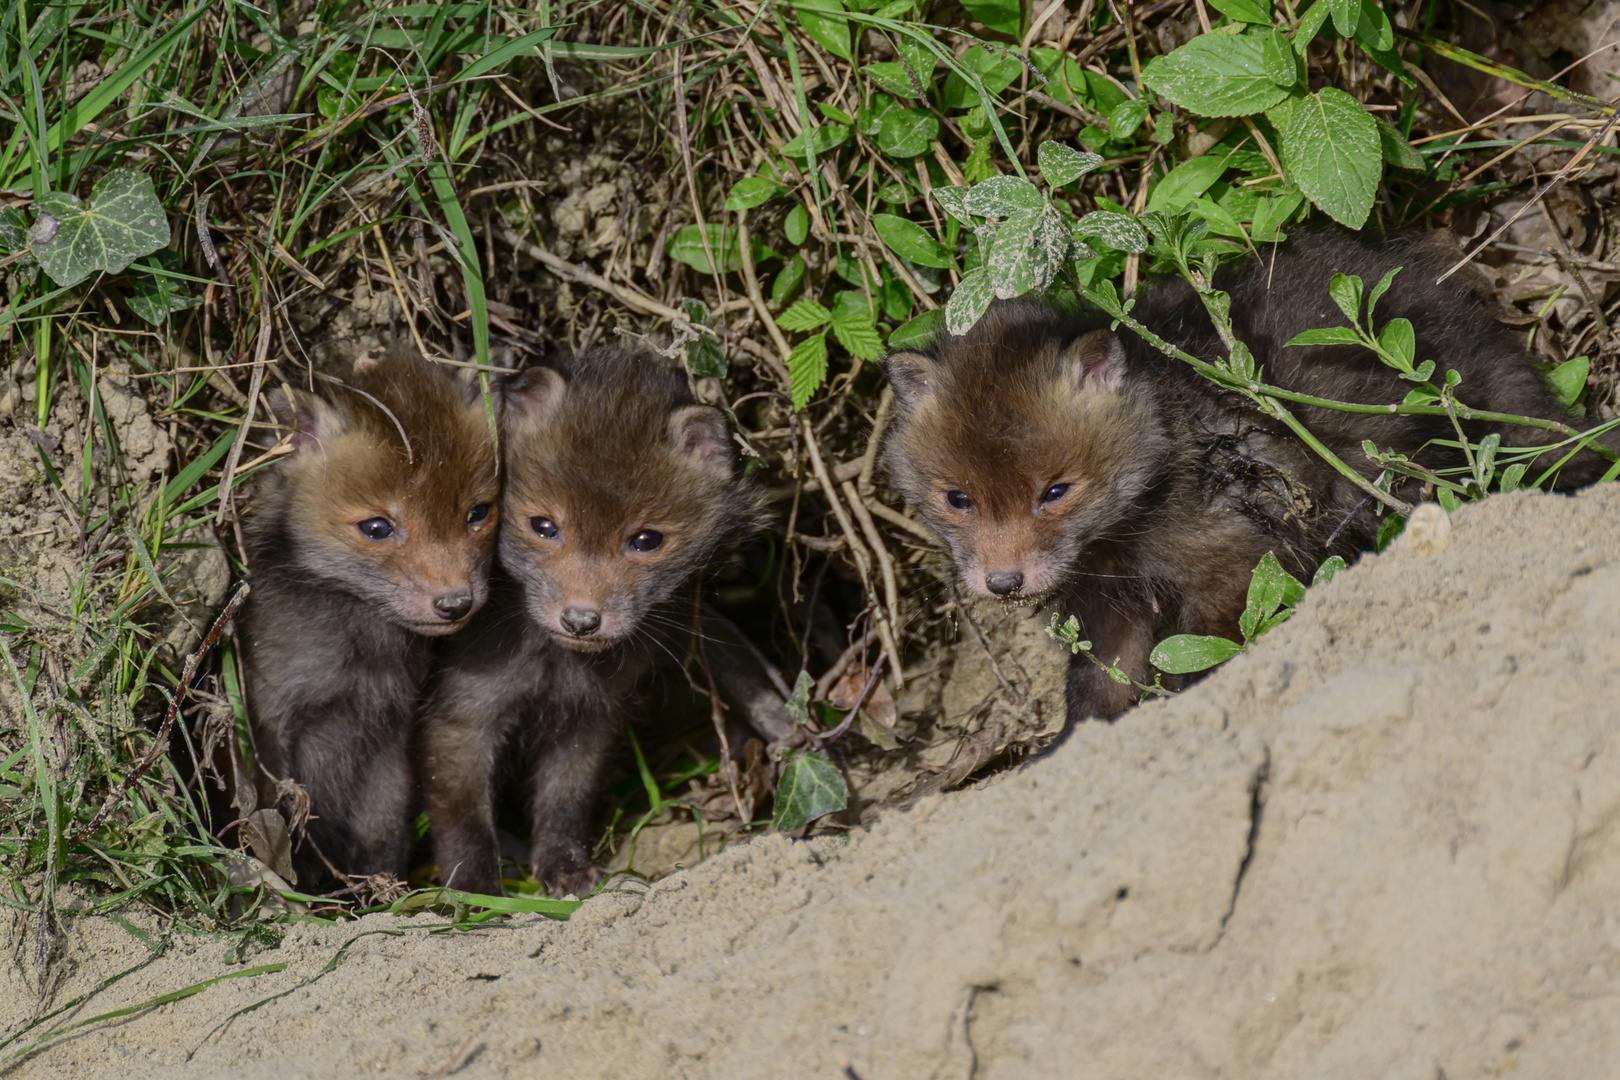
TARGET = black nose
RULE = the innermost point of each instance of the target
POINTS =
(1004, 582)
(581, 622)
(454, 606)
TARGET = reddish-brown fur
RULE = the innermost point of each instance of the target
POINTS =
(610, 449)
(1060, 461)
(337, 623)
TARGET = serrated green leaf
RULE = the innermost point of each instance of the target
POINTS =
(1216, 75)
(789, 280)
(907, 132)
(1062, 165)
(1568, 381)
(1397, 151)
(804, 315)
(811, 787)
(953, 200)
(1249, 11)
(973, 294)
(824, 22)
(858, 337)
(1187, 653)
(1119, 231)
(807, 369)
(158, 292)
(1003, 196)
(1328, 335)
(1331, 152)
(1282, 66)
(918, 332)
(122, 221)
(752, 191)
(796, 226)
(911, 241)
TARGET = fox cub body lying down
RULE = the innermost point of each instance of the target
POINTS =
(374, 535)
(1060, 461)
(619, 489)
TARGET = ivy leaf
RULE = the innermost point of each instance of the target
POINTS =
(1061, 165)
(858, 337)
(752, 191)
(911, 241)
(1330, 149)
(907, 132)
(807, 368)
(1216, 75)
(13, 229)
(122, 221)
(1003, 196)
(811, 786)
(1187, 653)
(973, 294)
(1119, 231)
(918, 332)
(798, 703)
(804, 315)
(953, 200)
(831, 30)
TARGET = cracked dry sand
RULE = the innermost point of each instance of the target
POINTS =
(1384, 844)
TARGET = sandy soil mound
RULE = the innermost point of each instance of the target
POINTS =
(1383, 844)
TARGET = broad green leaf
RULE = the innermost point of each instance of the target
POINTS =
(918, 57)
(122, 221)
(1216, 75)
(1282, 66)
(704, 360)
(1004, 196)
(1187, 653)
(1345, 291)
(858, 337)
(804, 315)
(1325, 573)
(336, 94)
(1119, 231)
(1126, 118)
(824, 22)
(821, 138)
(1568, 380)
(1011, 259)
(1003, 16)
(158, 291)
(752, 191)
(789, 280)
(811, 786)
(1380, 289)
(996, 70)
(807, 369)
(1346, 15)
(1184, 183)
(1373, 30)
(918, 332)
(686, 245)
(1330, 149)
(1270, 587)
(1512, 477)
(1249, 11)
(1061, 164)
(1398, 338)
(893, 77)
(1397, 151)
(953, 200)
(907, 132)
(1485, 456)
(796, 226)
(973, 294)
(834, 113)
(1310, 24)
(13, 229)
(1271, 213)
(1328, 335)
(911, 241)
(1221, 220)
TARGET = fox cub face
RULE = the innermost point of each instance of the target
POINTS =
(390, 491)
(618, 490)
(1020, 446)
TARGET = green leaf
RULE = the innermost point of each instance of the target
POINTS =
(811, 786)
(789, 280)
(1249, 11)
(804, 315)
(1270, 587)
(1568, 381)
(1282, 66)
(858, 337)
(953, 200)
(1397, 151)
(917, 333)
(822, 138)
(1119, 231)
(1003, 196)
(1004, 16)
(1345, 289)
(830, 31)
(1328, 335)
(1346, 15)
(1125, 119)
(1062, 164)
(911, 241)
(1325, 573)
(1330, 149)
(893, 77)
(1216, 75)
(1271, 213)
(1373, 30)
(752, 191)
(122, 221)
(973, 294)
(917, 56)
(1310, 24)
(796, 226)
(1187, 653)
(1512, 476)
(907, 132)
(798, 703)
(13, 229)
(158, 291)
(807, 369)
(1380, 289)
(1014, 263)
(996, 70)
(704, 360)
(1398, 338)
(686, 245)
(1184, 183)
(336, 96)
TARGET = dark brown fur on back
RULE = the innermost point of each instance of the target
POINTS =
(600, 455)
(336, 628)
(1059, 461)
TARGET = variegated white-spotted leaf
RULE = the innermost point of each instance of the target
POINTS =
(1062, 164)
(968, 302)
(1119, 231)
(1004, 196)
(1011, 259)
(953, 200)
(1050, 250)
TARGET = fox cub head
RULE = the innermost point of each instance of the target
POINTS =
(619, 489)
(390, 489)
(1020, 443)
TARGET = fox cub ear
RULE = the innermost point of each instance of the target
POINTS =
(535, 394)
(309, 420)
(701, 435)
(1094, 362)
(912, 376)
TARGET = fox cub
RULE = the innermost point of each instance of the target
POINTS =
(373, 535)
(618, 490)
(1060, 461)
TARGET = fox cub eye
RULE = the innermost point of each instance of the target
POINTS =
(1054, 493)
(958, 500)
(478, 514)
(544, 528)
(646, 540)
(376, 528)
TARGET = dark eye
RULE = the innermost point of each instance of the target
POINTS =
(544, 527)
(1054, 493)
(478, 514)
(377, 528)
(958, 500)
(646, 540)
